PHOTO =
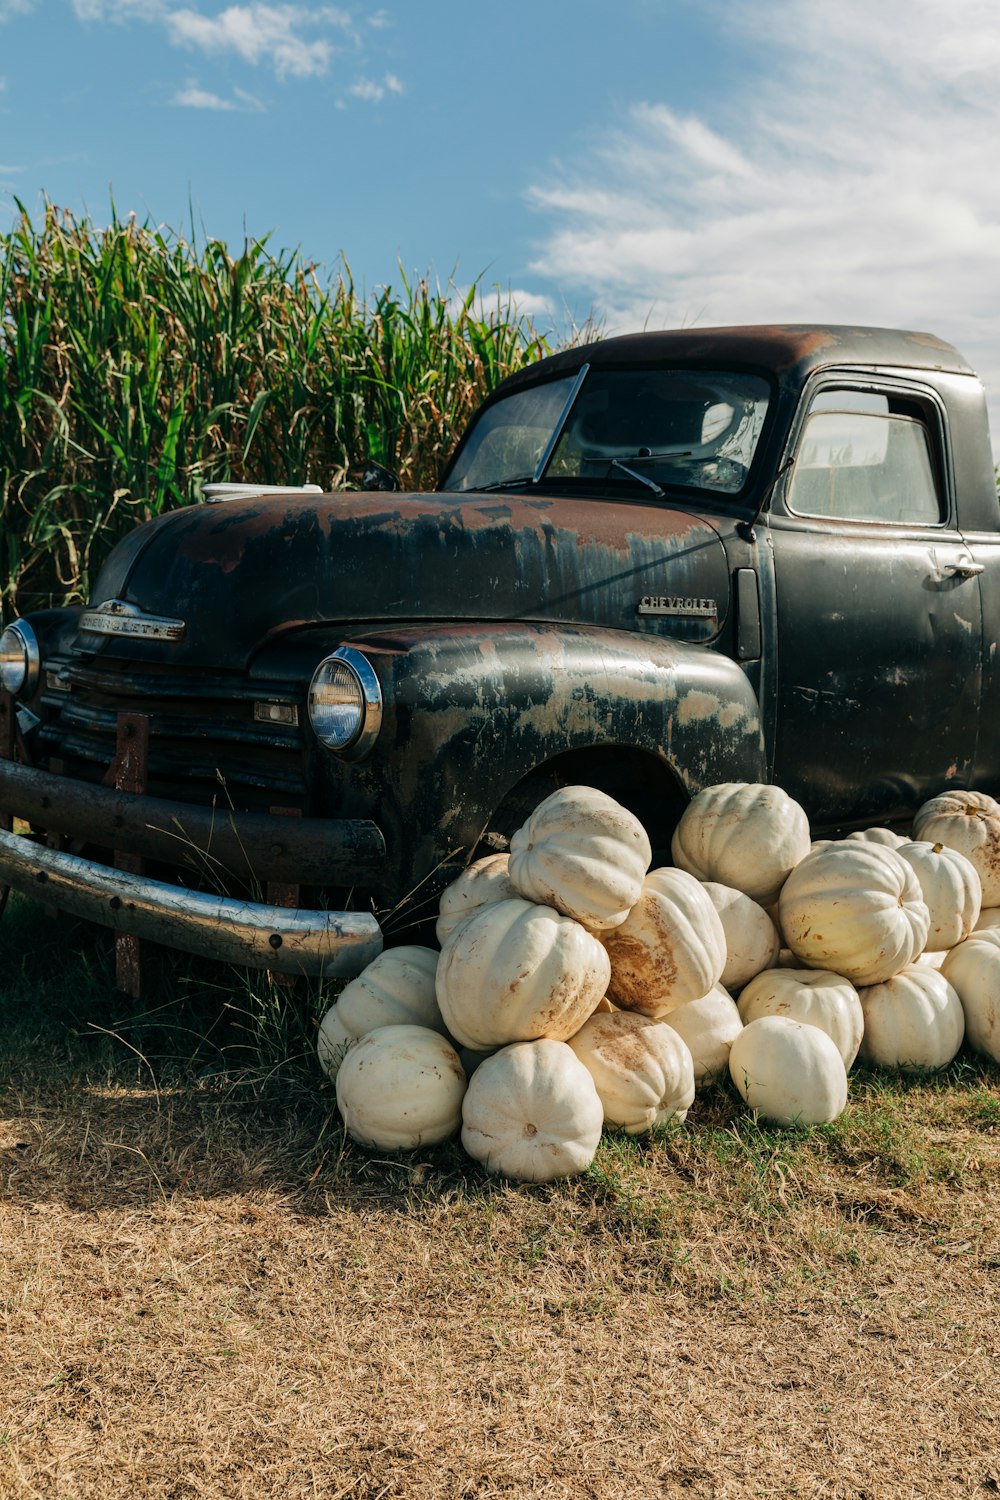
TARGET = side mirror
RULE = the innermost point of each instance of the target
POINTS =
(377, 477)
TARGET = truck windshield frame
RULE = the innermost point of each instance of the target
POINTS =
(697, 429)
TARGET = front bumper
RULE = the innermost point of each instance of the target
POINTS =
(218, 846)
(248, 933)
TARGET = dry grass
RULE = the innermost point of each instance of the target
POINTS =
(206, 1291)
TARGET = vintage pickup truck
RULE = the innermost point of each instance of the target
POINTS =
(653, 563)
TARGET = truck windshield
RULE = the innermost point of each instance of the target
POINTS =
(696, 428)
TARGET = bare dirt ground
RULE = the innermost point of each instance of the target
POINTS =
(205, 1294)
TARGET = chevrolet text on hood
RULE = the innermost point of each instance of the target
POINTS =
(286, 719)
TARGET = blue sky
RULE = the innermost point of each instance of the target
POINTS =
(654, 162)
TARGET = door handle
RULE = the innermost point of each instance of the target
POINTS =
(966, 567)
(962, 567)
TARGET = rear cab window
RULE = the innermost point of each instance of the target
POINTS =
(869, 455)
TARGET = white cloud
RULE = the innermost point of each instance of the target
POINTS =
(192, 96)
(276, 34)
(854, 184)
(11, 8)
(373, 93)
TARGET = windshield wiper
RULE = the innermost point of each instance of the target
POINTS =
(505, 484)
(616, 463)
(644, 456)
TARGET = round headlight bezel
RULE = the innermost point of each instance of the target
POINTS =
(361, 674)
(19, 677)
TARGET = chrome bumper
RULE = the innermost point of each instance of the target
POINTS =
(245, 933)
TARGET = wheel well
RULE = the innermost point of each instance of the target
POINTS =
(636, 779)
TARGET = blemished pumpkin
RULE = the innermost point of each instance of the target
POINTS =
(913, 1021)
(752, 940)
(582, 853)
(671, 948)
(854, 908)
(401, 1087)
(532, 1113)
(973, 968)
(514, 971)
(742, 834)
(709, 1026)
(396, 989)
(970, 823)
(642, 1070)
(950, 885)
(790, 1073)
(816, 997)
(482, 883)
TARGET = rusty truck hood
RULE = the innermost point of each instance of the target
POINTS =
(243, 572)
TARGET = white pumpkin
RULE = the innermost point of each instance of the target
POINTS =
(752, 940)
(513, 971)
(480, 884)
(584, 854)
(671, 948)
(532, 1113)
(401, 1087)
(855, 908)
(913, 1021)
(878, 836)
(642, 1070)
(790, 1073)
(815, 997)
(709, 1026)
(970, 823)
(744, 835)
(989, 916)
(951, 888)
(973, 968)
(395, 989)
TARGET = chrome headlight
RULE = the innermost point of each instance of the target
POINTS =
(20, 659)
(345, 703)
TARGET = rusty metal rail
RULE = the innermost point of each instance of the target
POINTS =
(303, 851)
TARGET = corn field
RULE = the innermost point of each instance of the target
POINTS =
(135, 367)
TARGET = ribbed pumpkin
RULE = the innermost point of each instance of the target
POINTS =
(709, 1026)
(913, 1021)
(950, 885)
(883, 836)
(815, 997)
(792, 1074)
(481, 884)
(531, 1112)
(855, 908)
(989, 916)
(584, 854)
(752, 940)
(396, 989)
(401, 1087)
(742, 834)
(670, 949)
(514, 971)
(973, 968)
(970, 823)
(642, 1070)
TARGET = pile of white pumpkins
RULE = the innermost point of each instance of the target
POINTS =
(577, 989)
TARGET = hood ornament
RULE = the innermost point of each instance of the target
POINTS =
(115, 617)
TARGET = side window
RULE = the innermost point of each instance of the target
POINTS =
(865, 456)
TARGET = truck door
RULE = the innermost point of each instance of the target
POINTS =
(878, 608)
